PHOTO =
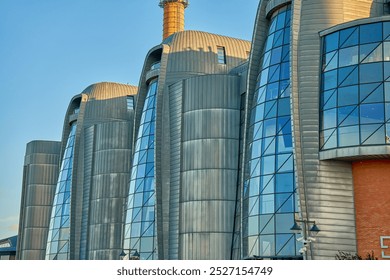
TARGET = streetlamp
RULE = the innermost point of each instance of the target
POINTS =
(308, 237)
(134, 256)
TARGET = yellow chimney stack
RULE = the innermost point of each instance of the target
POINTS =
(173, 16)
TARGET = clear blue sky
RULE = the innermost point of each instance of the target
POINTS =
(50, 50)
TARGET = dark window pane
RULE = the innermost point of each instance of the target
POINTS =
(284, 182)
(386, 30)
(371, 72)
(284, 107)
(371, 53)
(270, 109)
(370, 33)
(285, 71)
(330, 79)
(371, 113)
(285, 244)
(284, 125)
(286, 53)
(274, 73)
(348, 95)
(278, 38)
(387, 71)
(371, 93)
(284, 143)
(284, 203)
(281, 20)
(348, 76)
(331, 42)
(349, 37)
(286, 39)
(348, 115)
(284, 163)
(276, 55)
(329, 99)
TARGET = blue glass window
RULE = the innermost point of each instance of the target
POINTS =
(355, 91)
(140, 224)
(370, 33)
(58, 238)
(271, 164)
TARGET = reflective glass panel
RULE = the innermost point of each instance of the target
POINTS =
(353, 112)
(141, 198)
(271, 165)
(60, 215)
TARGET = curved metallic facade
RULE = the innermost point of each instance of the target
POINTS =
(40, 174)
(230, 152)
(209, 155)
(87, 216)
(324, 187)
(181, 56)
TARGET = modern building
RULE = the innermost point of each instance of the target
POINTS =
(183, 185)
(40, 175)
(233, 150)
(316, 124)
(8, 248)
(74, 191)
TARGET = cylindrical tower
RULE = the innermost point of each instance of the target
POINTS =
(173, 16)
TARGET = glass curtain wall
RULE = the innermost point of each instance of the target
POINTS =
(355, 94)
(269, 190)
(58, 237)
(140, 231)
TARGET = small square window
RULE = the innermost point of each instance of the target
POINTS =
(130, 102)
(221, 55)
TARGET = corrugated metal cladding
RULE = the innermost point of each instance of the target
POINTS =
(41, 168)
(195, 52)
(109, 187)
(101, 166)
(183, 55)
(325, 187)
(209, 148)
(103, 169)
(175, 114)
